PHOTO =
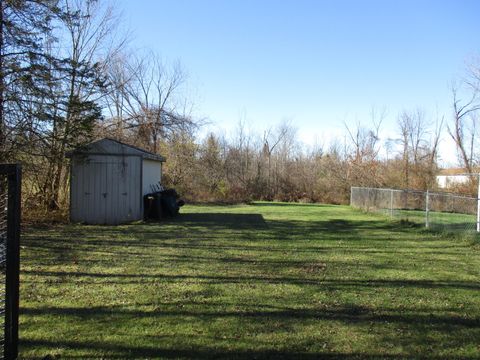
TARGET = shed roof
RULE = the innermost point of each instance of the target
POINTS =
(107, 146)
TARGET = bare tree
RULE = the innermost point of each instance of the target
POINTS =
(239, 157)
(463, 127)
(115, 100)
(419, 148)
(148, 97)
(365, 140)
(363, 147)
(271, 140)
(435, 141)
(404, 126)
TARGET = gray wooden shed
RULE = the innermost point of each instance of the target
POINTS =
(108, 180)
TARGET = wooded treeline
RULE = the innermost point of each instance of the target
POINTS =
(275, 165)
(69, 75)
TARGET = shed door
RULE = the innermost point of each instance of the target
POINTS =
(88, 187)
(106, 192)
(123, 200)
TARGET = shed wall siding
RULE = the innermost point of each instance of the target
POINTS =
(106, 189)
(152, 175)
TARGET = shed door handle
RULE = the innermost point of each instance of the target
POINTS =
(104, 195)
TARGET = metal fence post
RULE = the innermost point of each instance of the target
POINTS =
(427, 210)
(14, 179)
(391, 203)
(478, 204)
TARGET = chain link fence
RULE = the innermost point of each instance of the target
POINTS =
(437, 211)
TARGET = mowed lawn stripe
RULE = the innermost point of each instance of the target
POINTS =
(267, 280)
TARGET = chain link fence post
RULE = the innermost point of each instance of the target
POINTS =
(478, 204)
(391, 203)
(10, 193)
(427, 210)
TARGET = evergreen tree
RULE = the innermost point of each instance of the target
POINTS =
(23, 67)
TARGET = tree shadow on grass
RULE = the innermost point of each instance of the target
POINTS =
(341, 284)
(193, 225)
(347, 313)
(223, 220)
(293, 205)
(256, 318)
(120, 351)
(277, 229)
(222, 231)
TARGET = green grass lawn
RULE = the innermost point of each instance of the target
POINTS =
(255, 281)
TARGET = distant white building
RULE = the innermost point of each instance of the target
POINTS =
(451, 177)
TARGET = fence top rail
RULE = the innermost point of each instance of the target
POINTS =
(454, 196)
(388, 189)
(417, 192)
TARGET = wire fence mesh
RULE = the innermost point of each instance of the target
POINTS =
(437, 211)
(3, 255)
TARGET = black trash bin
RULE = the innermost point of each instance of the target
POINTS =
(161, 204)
(169, 202)
(152, 205)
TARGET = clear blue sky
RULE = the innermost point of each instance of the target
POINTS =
(315, 62)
